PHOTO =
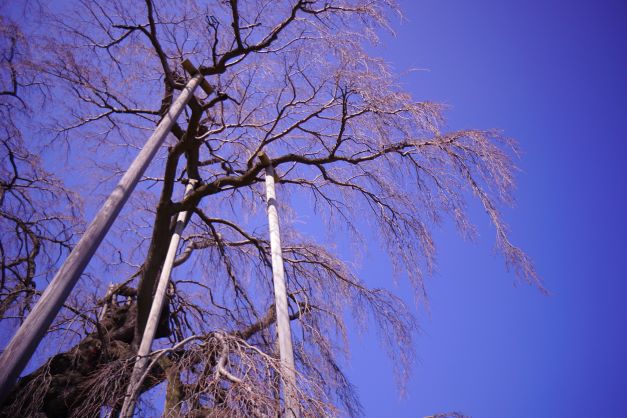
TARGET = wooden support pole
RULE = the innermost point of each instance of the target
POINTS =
(284, 333)
(23, 344)
(156, 308)
(192, 70)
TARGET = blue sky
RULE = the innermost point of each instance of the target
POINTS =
(553, 75)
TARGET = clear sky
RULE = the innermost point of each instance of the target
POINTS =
(553, 75)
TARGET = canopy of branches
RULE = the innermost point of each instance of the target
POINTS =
(85, 82)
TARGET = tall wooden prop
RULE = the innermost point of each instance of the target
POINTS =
(156, 308)
(284, 333)
(23, 344)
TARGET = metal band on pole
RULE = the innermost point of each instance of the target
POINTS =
(23, 344)
(155, 313)
(284, 333)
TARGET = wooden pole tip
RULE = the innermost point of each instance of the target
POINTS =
(265, 160)
(192, 70)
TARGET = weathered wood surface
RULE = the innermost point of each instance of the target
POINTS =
(284, 333)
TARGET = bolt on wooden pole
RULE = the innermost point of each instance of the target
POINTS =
(158, 301)
(23, 344)
(284, 333)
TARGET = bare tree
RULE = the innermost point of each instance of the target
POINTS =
(36, 210)
(291, 79)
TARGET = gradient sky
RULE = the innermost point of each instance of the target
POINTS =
(553, 75)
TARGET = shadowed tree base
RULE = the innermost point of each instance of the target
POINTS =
(59, 387)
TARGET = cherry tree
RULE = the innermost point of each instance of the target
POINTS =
(290, 79)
